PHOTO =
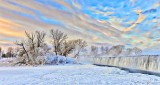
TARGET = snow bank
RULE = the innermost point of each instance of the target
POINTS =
(54, 59)
(7, 60)
(73, 75)
(50, 59)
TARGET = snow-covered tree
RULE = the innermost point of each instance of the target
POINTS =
(116, 50)
(94, 51)
(32, 47)
(104, 49)
(0, 52)
(67, 47)
(58, 38)
(79, 45)
(137, 51)
(64, 47)
(128, 51)
(9, 52)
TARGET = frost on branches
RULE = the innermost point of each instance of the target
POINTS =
(34, 50)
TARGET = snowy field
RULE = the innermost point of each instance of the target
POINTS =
(6, 62)
(73, 75)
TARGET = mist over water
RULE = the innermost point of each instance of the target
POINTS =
(148, 63)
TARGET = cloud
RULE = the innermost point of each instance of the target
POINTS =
(16, 16)
(73, 23)
(104, 12)
(156, 5)
(141, 17)
(150, 11)
(132, 1)
(6, 43)
(7, 28)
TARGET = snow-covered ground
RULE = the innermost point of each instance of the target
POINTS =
(5, 62)
(73, 75)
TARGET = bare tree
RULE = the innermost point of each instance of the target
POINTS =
(137, 51)
(79, 45)
(116, 50)
(31, 48)
(34, 46)
(40, 38)
(0, 49)
(68, 47)
(9, 52)
(128, 51)
(10, 49)
(94, 51)
(58, 38)
(22, 52)
(31, 43)
(15, 51)
(104, 50)
(0, 52)
(31, 40)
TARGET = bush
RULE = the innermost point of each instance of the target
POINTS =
(57, 59)
(8, 54)
(3, 55)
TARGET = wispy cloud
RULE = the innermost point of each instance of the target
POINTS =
(94, 21)
(141, 17)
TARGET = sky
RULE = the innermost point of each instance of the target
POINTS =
(133, 23)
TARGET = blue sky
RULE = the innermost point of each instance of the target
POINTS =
(132, 23)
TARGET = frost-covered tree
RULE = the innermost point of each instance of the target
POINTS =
(67, 47)
(9, 52)
(116, 50)
(128, 51)
(32, 47)
(133, 51)
(137, 51)
(0, 49)
(0, 52)
(15, 51)
(104, 50)
(64, 47)
(40, 36)
(58, 38)
(79, 45)
(94, 51)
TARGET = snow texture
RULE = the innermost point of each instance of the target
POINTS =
(54, 59)
(73, 75)
(7, 60)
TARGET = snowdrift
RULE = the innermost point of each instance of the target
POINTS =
(54, 59)
(49, 59)
(7, 60)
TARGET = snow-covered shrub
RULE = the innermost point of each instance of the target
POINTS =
(71, 60)
(40, 60)
(57, 59)
(51, 59)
